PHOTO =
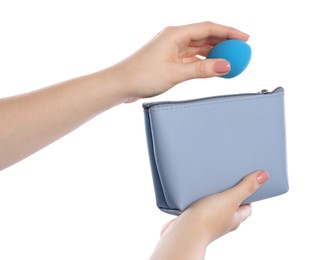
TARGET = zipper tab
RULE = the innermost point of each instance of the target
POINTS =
(264, 91)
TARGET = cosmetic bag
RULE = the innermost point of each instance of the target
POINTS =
(207, 145)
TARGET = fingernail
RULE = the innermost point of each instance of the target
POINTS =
(262, 177)
(222, 66)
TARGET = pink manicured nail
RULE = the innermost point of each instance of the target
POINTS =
(262, 177)
(222, 66)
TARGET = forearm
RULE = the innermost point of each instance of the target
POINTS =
(183, 240)
(33, 120)
(175, 249)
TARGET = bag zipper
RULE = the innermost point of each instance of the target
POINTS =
(147, 106)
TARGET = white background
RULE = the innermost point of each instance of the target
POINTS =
(90, 194)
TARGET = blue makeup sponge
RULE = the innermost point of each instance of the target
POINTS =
(237, 52)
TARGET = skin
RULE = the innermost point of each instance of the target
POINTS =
(188, 236)
(33, 120)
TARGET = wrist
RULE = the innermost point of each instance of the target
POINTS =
(110, 87)
(121, 83)
(200, 226)
(181, 239)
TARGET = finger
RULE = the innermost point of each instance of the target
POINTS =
(191, 59)
(199, 31)
(248, 185)
(203, 68)
(193, 51)
(212, 41)
(242, 213)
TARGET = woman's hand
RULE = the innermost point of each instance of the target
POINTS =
(188, 236)
(175, 55)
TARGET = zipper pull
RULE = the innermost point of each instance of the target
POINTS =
(264, 91)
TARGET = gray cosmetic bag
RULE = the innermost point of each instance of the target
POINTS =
(205, 146)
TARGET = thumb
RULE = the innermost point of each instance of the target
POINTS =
(248, 185)
(205, 68)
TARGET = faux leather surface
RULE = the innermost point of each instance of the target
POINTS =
(205, 146)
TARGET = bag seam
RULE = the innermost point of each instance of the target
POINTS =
(215, 102)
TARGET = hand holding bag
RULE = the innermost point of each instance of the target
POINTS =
(205, 146)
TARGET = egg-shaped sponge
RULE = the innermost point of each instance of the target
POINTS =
(237, 52)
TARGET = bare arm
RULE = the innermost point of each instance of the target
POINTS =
(31, 121)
